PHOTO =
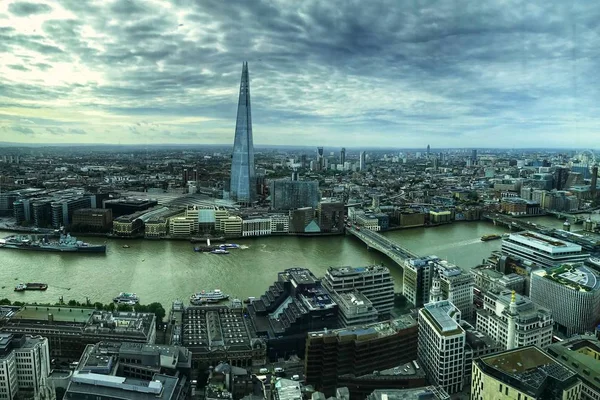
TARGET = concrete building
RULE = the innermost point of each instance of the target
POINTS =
(294, 305)
(417, 277)
(572, 292)
(93, 219)
(542, 250)
(441, 348)
(514, 320)
(358, 351)
(362, 161)
(457, 287)
(487, 277)
(289, 194)
(402, 376)
(182, 226)
(280, 223)
(216, 333)
(24, 367)
(256, 227)
(582, 355)
(232, 226)
(523, 373)
(374, 282)
(354, 308)
(330, 216)
(300, 219)
(70, 329)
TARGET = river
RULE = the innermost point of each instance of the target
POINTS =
(166, 270)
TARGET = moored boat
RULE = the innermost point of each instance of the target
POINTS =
(30, 286)
(203, 297)
(219, 251)
(65, 243)
(127, 298)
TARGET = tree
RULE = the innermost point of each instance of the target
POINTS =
(72, 303)
(124, 308)
(99, 306)
(158, 310)
(5, 302)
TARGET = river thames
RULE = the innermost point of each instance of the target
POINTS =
(164, 271)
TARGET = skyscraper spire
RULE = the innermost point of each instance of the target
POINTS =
(242, 185)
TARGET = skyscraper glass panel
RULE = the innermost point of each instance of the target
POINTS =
(242, 187)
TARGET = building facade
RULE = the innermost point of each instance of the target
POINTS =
(242, 185)
(289, 194)
(572, 292)
(441, 348)
(374, 282)
(542, 250)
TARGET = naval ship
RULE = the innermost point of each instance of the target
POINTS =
(65, 243)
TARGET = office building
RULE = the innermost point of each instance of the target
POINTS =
(242, 185)
(190, 174)
(256, 226)
(290, 308)
(330, 216)
(572, 292)
(358, 351)
(525, 373)
(280, 223)
(474, 156)
(514, 320)
(362, 161)
(232, 226)
(477, 344)
(374, 282)
(354, 308)
(93, 219)
(289, 195)
(24, 367)
(457, 287)
(302, 220)
(417, 277)
(216, 333)
(343, 156)
(441, 348)
(582, 355)
(69, 201)
(70, 329)
(542, 250)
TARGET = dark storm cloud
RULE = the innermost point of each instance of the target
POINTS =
(23, 9)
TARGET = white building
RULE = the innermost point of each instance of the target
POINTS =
(572, 292)
(441, 348)
(182, 226)
(256, 227)
(354, 309)
(542, 250)
(24, 367)
(514, 320)
(374, 282)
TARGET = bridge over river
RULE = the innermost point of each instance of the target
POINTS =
(377, 241)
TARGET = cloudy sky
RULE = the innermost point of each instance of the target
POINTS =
(399, 73)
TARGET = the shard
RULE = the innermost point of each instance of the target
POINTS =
(242, 187)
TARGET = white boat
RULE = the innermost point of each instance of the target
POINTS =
(130, 299)
(204, 297)
(219, 251)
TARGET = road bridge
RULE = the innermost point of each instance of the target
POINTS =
(377, 241)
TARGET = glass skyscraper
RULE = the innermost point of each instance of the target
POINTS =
(242, 187)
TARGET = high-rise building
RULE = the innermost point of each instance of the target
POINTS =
(293, 194)
(343, 156)
(441, 348)
(330, 214)
(474, 156)
(242, 185)
(572, 292)
(514, 320)
(358, 351)
(24, 367)
(523, 373)
(320, 159)
(428, 150)
(581, 353)
(374, 282)
(362, 161)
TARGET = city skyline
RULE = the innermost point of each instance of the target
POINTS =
(126, 72)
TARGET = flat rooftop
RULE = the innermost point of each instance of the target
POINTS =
(576, 276)
(581, 354)
(349, 271)
(442, 313)
(59, 314)
(368, 331)
(555, 245)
